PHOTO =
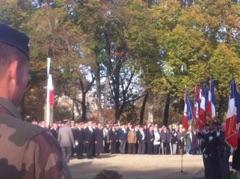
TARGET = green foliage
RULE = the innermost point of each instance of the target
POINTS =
(171, 46)
(224, 66)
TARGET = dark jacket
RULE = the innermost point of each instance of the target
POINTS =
(89, 135)
(99, 140)
(113, 135)
(123, 135)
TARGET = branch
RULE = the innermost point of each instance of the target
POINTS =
(135, 99)
(129, 82)
(90, 84)
(129, 101)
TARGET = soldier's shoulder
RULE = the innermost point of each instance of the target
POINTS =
(22, 131)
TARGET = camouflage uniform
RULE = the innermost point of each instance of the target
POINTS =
(27, 151)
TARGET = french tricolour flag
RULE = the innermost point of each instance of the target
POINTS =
(231, 131)
(196, 105)
(187, 116)
(203, 107)
(211, 103)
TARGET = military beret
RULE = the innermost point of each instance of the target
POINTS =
(14, 38)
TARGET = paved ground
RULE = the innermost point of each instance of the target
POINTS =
(140, 166)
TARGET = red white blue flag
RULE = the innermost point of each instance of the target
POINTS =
(196, 106)
(211, 103)
(188, 115)
(231, 130)
(203, 107)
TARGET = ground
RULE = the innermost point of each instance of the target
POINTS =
(140, 166)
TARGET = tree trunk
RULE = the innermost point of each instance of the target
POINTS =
(117, 114)
(166, 110)
(78, 109)
(143, 108)
(84, 108)
(99, 101)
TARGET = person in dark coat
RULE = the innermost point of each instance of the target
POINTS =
(123, 135)
(141, 137)
(54, 130)
(80, 141)
(223, 152)
(113, 137)
(195, 145)
(174, 141)
(99, 140)
(236, 156)
(106, 131)
(165, 138)
(75, 132)
(89, 140)
(215, 154)
(149, 139)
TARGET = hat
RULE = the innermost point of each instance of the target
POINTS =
(14, 38)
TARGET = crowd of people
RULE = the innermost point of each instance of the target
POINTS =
(93, 139)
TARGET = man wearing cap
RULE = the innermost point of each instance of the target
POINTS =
(26, 151)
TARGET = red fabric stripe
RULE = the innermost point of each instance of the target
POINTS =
(185, 122)
(231, 132)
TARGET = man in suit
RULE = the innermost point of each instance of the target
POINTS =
(66, 140)
(141, 136)
(149, 139)
(113, 137)
(123, 135)
(75, 132)
(89, 140)
(99, 140)
(54, 130)
(80, 141)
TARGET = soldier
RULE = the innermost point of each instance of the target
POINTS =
(26, 151)
(215, 153)
(236, 158)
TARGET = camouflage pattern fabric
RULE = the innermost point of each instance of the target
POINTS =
(27, 151)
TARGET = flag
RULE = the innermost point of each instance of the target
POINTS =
(231, 131)
(196, 106)
(211, 103)
(187, 116)
(50, 91)
(202, 110)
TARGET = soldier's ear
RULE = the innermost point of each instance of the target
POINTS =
(12, 71)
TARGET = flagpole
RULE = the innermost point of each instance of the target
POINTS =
(48, 94)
